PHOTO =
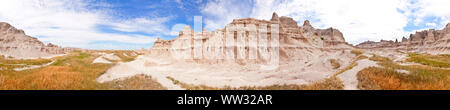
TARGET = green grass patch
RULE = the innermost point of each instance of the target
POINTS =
(74, 71)
(353, 64)
(431, 60)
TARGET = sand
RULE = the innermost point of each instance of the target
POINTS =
(33, 66)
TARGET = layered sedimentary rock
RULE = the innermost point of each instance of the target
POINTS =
(252, 39)
(247, 52)
(426, 41)
(15, 43)
(381, 44)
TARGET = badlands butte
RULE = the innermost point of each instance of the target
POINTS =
(246, 54)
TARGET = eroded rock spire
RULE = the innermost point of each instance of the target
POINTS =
(275, 17)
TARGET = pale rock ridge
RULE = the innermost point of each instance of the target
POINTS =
(291, 39)
(428, 41)
(15, 43)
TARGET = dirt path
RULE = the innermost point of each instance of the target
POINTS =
(349, 77)
(33, 66)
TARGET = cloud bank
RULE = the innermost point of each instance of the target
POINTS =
(72, 23)
(359, 20)
(98, 24)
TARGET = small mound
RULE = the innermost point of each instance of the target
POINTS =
(111, 56)
(101, 60)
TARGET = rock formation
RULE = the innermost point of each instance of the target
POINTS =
(15, 43)
(252, 39)
(428, 41)
(381, 44)
(247, 52)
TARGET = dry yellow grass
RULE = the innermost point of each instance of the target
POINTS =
(431, 60)
(53, 78)
(138, 82)
(357, 52)
(419, 78)
(67, 73)
(335, 63)
(353, 64)
(387, 79)
(71, 72)
(38, 61)
(6, 63)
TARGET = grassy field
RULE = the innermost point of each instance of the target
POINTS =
(6, 64)
(431, 60)
(74, 71)
(420, 77)
(138, 82)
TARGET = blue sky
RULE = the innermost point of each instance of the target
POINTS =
(135, 24)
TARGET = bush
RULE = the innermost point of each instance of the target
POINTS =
(357, 52)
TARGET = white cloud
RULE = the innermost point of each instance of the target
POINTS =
(152, 25)
(430, 8)
(359, 20)
(180, 4)
(431, 24)
(218, 13)
(69, 22)
(176, 29)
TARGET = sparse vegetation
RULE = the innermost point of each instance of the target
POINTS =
(125, 55)
(332, 83)
(380, 59)
(431, 60)
(74, 71)
(138, 82)
(353, 64)
(420, 78)
(335, 63)
(357, 52)
(39, 61)
(388, 79)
